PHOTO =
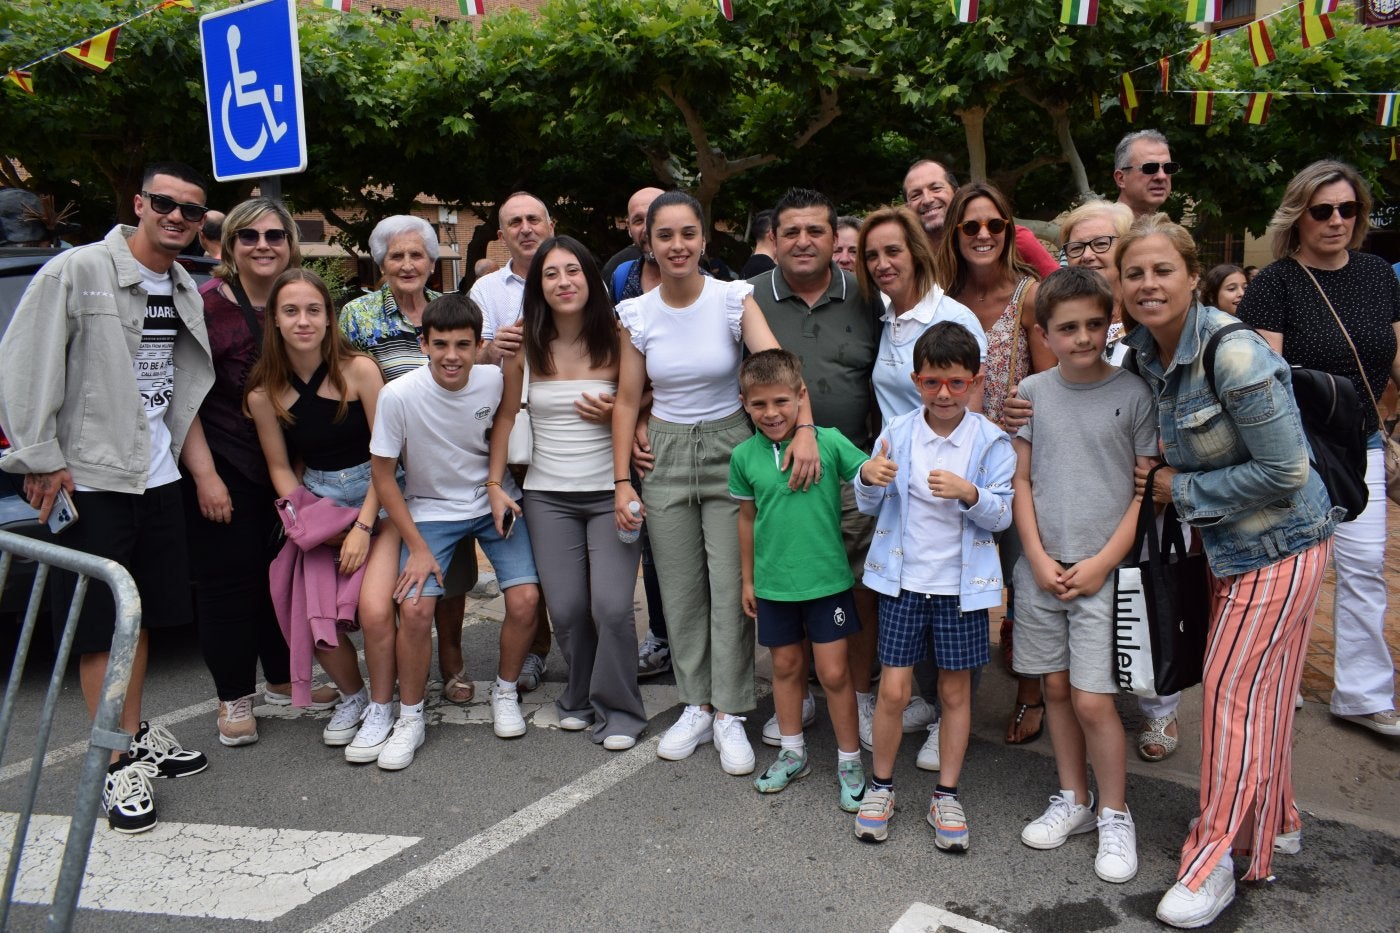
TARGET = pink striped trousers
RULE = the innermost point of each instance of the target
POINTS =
(1254, 662)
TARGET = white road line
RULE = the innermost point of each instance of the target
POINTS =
(921, 918)
(198, 869)
(423, 880)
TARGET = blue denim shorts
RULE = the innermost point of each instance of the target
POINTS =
(344, 487)
(511, 557)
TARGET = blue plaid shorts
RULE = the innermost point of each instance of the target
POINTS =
(907, 621)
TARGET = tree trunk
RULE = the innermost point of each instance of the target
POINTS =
(974, 121)
(1059, 113)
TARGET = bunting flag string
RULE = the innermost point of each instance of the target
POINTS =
(1128, 97)
(1079, 12)
(340, 6)
(1200, 56)
(1203, 11)
(1256, 111)
(1196, 50)
(1201, 104)
(726, 8)
(472, 7)
(1315, 29)
(1164, 70)
(96, 52)
(965, 11)
(1387, 110)
(1317, 7)
(1260, 48)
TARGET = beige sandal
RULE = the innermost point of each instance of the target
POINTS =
(459, 688)
(1154, 732)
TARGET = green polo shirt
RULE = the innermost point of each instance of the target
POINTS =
(836, 340)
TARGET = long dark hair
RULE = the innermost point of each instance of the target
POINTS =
(599, 323)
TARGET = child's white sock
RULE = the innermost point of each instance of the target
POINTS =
(411, 711)
(847, 756)
(505, 686)
(797, 743)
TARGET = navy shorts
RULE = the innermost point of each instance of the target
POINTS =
(907, 621)
(822, 620)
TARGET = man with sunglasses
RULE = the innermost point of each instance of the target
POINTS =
(1143, 169)
(96, 411)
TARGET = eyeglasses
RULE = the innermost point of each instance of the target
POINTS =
(164, 204)
(1323, 212)
(275, 237)
(955, 386)
(1152, 168)
(994, 226)
(1099, 244)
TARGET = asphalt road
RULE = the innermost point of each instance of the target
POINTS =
(551, 832)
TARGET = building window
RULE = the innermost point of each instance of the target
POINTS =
(1234, 14)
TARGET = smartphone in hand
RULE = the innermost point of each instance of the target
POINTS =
(63, 514)
(507, 523)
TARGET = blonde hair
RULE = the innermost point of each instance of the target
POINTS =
(1284, 225)
(1120, 215)
(244, 216)
(1154, 225)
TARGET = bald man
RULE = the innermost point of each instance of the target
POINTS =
(636, 229)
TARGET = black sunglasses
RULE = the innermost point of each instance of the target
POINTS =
(1323, 212)
(1152, 168)
(994, 226)
(163, 204)
(275, 237)
(1099, 244)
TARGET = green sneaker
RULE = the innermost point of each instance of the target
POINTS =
(850, 777)
(789, 767)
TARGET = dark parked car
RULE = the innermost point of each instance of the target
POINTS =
(17, 266)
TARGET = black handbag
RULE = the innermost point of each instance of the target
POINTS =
(1161, 608)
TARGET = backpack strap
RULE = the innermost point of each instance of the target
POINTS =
(619, 278)
(1211, 345)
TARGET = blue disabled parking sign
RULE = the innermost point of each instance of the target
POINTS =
(252, 88)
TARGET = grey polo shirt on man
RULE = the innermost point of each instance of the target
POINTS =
(836, 340)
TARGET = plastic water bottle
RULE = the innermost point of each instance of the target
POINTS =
(627, 537)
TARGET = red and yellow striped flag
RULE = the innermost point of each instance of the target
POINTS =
(1260, 48)
(1314, 28)
(167, 4)
(97, 53)
(1202, 103)
(1256, 111)
(1164, 69)
(1128, 97)
(1200, 56)
(23, 79)
(1395, 148)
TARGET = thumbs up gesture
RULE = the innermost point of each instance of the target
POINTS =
(879, 470)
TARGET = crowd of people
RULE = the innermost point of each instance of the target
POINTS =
(893, 425)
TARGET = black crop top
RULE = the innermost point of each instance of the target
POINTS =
(322, 442)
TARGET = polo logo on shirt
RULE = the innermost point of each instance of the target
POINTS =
(483, 413)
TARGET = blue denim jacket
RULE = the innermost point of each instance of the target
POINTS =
(992, 462)
(1244, 477)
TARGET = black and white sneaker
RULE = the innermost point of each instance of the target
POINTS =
(126, 796)
(155, 745)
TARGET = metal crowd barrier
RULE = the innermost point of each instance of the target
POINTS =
(106, 735)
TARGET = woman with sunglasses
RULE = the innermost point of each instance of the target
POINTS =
(978, 259)
(1087, 238)
(1325, 305)
(228, 494)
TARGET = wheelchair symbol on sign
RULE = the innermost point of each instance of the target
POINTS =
(242, 92)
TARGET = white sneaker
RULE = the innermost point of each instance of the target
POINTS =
(345, 722)
(407, 739)
(695, 726)
(865, 720)
(928, 755)
(735, 752)
(573, 723)
(505, 713)
(373, 735)
(1181, 907)
(918, 715)
(1289, 843)
(619, 743)
(1062, 819)
(1117, 859)
(772, 735)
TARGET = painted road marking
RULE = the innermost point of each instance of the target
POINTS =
(922, 918)
(198, 869)
(457, 861)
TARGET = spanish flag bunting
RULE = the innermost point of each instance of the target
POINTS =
(1203, 11)
(97, 53)
(1256, 111)
(167, 4)
(23, 79)
(726, 8)
(472, 7)
(340, 6)
(1388, 110)
(1202, 102)
(1395, 148)
(1200, 56)
(1098, 107)
(1128, 97)
(964, 10)
(1317, 7)
(1260, 48)
(1079, 12)
(1315, 30)
(1164, 70)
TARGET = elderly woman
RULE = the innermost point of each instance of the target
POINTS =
(228, 495)
(1324, 305)
(1087, 237)
(385, 324)
(1237, 470)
